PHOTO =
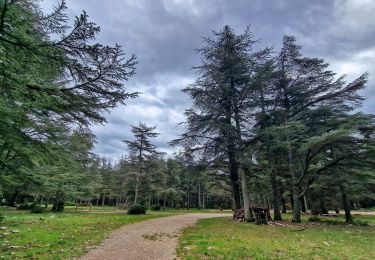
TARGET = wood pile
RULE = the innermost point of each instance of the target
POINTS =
(257, 214)
(239, 215)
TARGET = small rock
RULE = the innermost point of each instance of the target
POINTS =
(326, 243)
(3, 228)
(15, 247)
(15, 231)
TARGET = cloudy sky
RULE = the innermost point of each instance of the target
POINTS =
(164, 33)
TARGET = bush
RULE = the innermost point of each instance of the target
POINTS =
(137, 209)
(314, 219)
(58, 206)
(155, 207)
(70, 204)
(25, 206)
(360, 222)
(37, 209)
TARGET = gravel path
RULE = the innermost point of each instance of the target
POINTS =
(150, 239)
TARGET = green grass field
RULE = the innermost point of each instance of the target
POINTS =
(61, 235)
(221, 238)
(65, 235)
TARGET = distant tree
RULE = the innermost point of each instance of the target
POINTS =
(142, 153)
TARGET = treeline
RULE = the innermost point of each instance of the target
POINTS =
(143, 177)
(282, 125)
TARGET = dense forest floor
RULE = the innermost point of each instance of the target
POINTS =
(221, 238)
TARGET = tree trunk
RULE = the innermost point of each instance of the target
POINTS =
(233, 170)
(199, 195)
(303, 205)
(283, 205)
(291, 201)
(296, 207)
(322, 206)
(275, 197)
(103, 199)
(13, 199)
(346, 204)
(136, 194)
(245, 194)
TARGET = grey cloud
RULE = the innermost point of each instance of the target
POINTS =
(164, 33)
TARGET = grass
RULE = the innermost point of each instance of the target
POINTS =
(221, 238)
(61, 235)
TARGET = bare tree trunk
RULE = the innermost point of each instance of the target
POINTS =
(283, 205)
(199, 195)
(245, 194)
(322, 206)
(275, 197)
(346, 204)
(136, 193)
(303, 205)
(103, 199)
(296, 207)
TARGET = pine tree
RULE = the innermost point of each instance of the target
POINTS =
(142, 153)
(221, 97)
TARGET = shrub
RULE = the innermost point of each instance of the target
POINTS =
(260, 222)
(37, 209)
(155, 207)
(70, 204)
(314, 219)
(360, 222)
(137, 209)
(25, 206)
(58, 206)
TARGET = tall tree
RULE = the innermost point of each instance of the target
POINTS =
(221, 96)
(307, 93)
(142, 153)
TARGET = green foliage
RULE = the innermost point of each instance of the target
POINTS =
(314, 219)
(68, 80)
(37, 209)
(360, 222)
(156, 207)
(137, 209)
(58, 206)
(25, 206)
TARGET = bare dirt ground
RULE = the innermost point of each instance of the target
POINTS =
(151, 239)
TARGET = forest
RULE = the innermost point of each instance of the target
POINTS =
(267, 127)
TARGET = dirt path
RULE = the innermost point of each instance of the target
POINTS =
(151, 239)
